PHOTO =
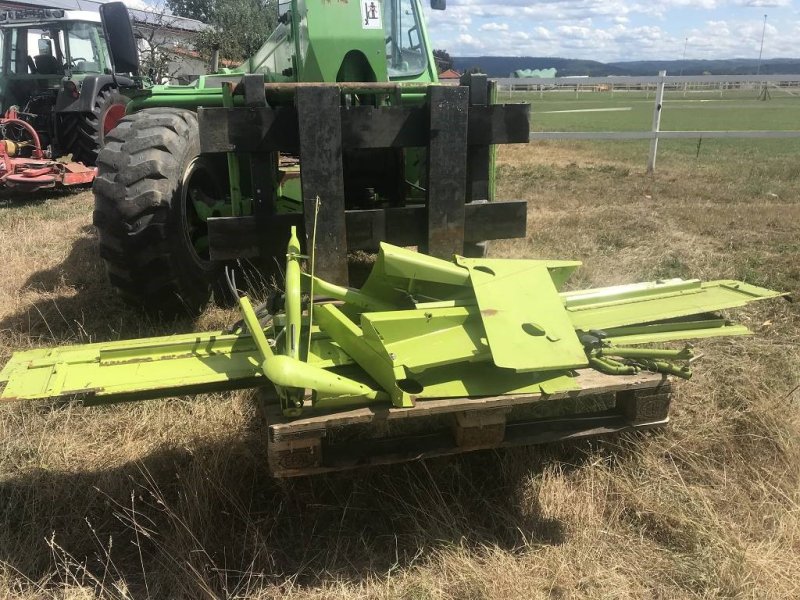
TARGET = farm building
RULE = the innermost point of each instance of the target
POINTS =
(450, 76)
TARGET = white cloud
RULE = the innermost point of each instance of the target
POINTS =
(494, 27)
(468, 41)
(140, 4)
(763, 3)
(612, 30)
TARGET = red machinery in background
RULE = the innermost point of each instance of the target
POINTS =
(26, 167)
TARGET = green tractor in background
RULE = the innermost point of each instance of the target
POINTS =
(57, 91)
(160, 184)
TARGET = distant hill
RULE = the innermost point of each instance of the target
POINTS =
(502, 66)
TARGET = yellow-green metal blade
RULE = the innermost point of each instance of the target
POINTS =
(672, 332)
(526, 325)
(146, 368)
(407, 264)
(657, 301)
(401, 277)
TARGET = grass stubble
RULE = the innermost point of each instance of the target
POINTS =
(171, 499)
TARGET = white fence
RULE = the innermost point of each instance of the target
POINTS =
(658, 85)
(623, 83)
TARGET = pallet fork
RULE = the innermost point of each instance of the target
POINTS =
(457, 126)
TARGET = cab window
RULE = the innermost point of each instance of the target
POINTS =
(85, 55)
(36, 50)
(406, 55)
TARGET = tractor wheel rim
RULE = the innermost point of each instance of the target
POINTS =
(113, 115)
(198, 176)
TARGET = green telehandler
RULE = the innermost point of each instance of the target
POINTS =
(184, 184)
(337, 137)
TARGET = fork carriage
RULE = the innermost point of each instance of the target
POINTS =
(350, 150)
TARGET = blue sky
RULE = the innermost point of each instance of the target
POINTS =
(611, 30)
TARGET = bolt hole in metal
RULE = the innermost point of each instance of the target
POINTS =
(484, 269)
(533, 329)
(410, 386)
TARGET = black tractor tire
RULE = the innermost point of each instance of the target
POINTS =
(83, 134)
(143, 214)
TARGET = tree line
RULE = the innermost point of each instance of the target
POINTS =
(240, 27)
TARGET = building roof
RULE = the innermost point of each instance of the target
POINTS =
(450, 74)
(144, 17)
(188, 53)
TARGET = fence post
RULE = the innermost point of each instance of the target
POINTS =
(651, 160)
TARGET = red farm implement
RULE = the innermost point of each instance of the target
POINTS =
(25, 166)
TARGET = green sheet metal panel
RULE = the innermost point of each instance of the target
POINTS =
(151, 367)
(560, 270)
(421, 339)
(526, 325)
(657, 301)
(402, 278)
(672, 332)
(484, 379)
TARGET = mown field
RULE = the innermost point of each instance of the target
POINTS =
(171, 499)
(633, 111)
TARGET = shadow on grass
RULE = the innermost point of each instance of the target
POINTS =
(14, 198)
(209, 517)
(76, 303)
(185, 520)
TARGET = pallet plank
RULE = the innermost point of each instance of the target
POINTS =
(591, 383)
(344, 447)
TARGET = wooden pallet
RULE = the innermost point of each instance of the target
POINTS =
(383, 435)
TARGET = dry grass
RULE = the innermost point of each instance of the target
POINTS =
(172, 498)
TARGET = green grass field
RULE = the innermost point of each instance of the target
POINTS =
(697, 111)
(633, 111)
